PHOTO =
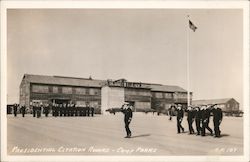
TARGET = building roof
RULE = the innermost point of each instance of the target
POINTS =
(211, 101)
(166, 88)
(58, 80)
(86, 82)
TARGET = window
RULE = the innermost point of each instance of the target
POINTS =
(80, 91)
(158, 95)
(144, 93)
(67, 90)
(168, 95)
(181, 95)
(87, 91)
(54, 89)
(91, 91)
(40, 88)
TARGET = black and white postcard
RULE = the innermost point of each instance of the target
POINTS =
(124, 81)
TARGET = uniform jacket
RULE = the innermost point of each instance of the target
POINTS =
(128, 114)
(217, 113)
(180, 113)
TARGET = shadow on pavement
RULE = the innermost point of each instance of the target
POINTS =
(224, 135)
(142, 135)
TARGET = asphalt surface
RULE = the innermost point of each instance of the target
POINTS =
(104, 135)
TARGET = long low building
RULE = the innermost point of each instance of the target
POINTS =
(100, 94)
(226, 104)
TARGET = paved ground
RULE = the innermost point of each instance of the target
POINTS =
(103, 135)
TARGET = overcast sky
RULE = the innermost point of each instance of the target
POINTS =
(138, 45)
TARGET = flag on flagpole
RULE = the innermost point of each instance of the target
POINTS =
(192, 26)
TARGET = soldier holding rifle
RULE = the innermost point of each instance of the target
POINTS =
(128, 114)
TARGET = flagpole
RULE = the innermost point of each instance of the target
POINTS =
(188, 90)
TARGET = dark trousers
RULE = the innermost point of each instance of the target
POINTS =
(46, 114)
(198, 126)
(204, 127)
(190, 126)
(179, 126)
(217, 128)
(34, 113)
(23, 114)
(15, 113)
(127, 128)
(56, 113)
(38, 113)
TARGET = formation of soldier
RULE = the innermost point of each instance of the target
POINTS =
(22, 110)
(57, 110)
(201, 116)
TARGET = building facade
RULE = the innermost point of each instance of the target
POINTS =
(100, 94)
(226, 104)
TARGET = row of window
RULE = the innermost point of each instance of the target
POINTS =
(169, 95)
(92, 91)
(64, 90)
(138, 93)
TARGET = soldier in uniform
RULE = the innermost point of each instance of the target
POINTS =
(84, 111)
(69, 110)
(56, 110)
(39, 111)
(32, 108)
(205, 120)
(217, 113)
(63, 109)
(128, 114)
(190, 119)
(23, 108)
(198, 120)
(92, 111)
(15, 110)
(60, 110)
(66, 111)
(75, 109)
(46, 110)
(179, 118)
(88, 110)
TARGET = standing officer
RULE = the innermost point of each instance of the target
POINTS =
(217, 112)
(198, 120)
(190, 119)
(205, 120)
(128, 114)
(32, 108)
(15, 110)
(74, 109)
(179, 118)
(88, 110)
(38, 111)
(46, 109)
(23, 108)
(56, 110)
(92, 111)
